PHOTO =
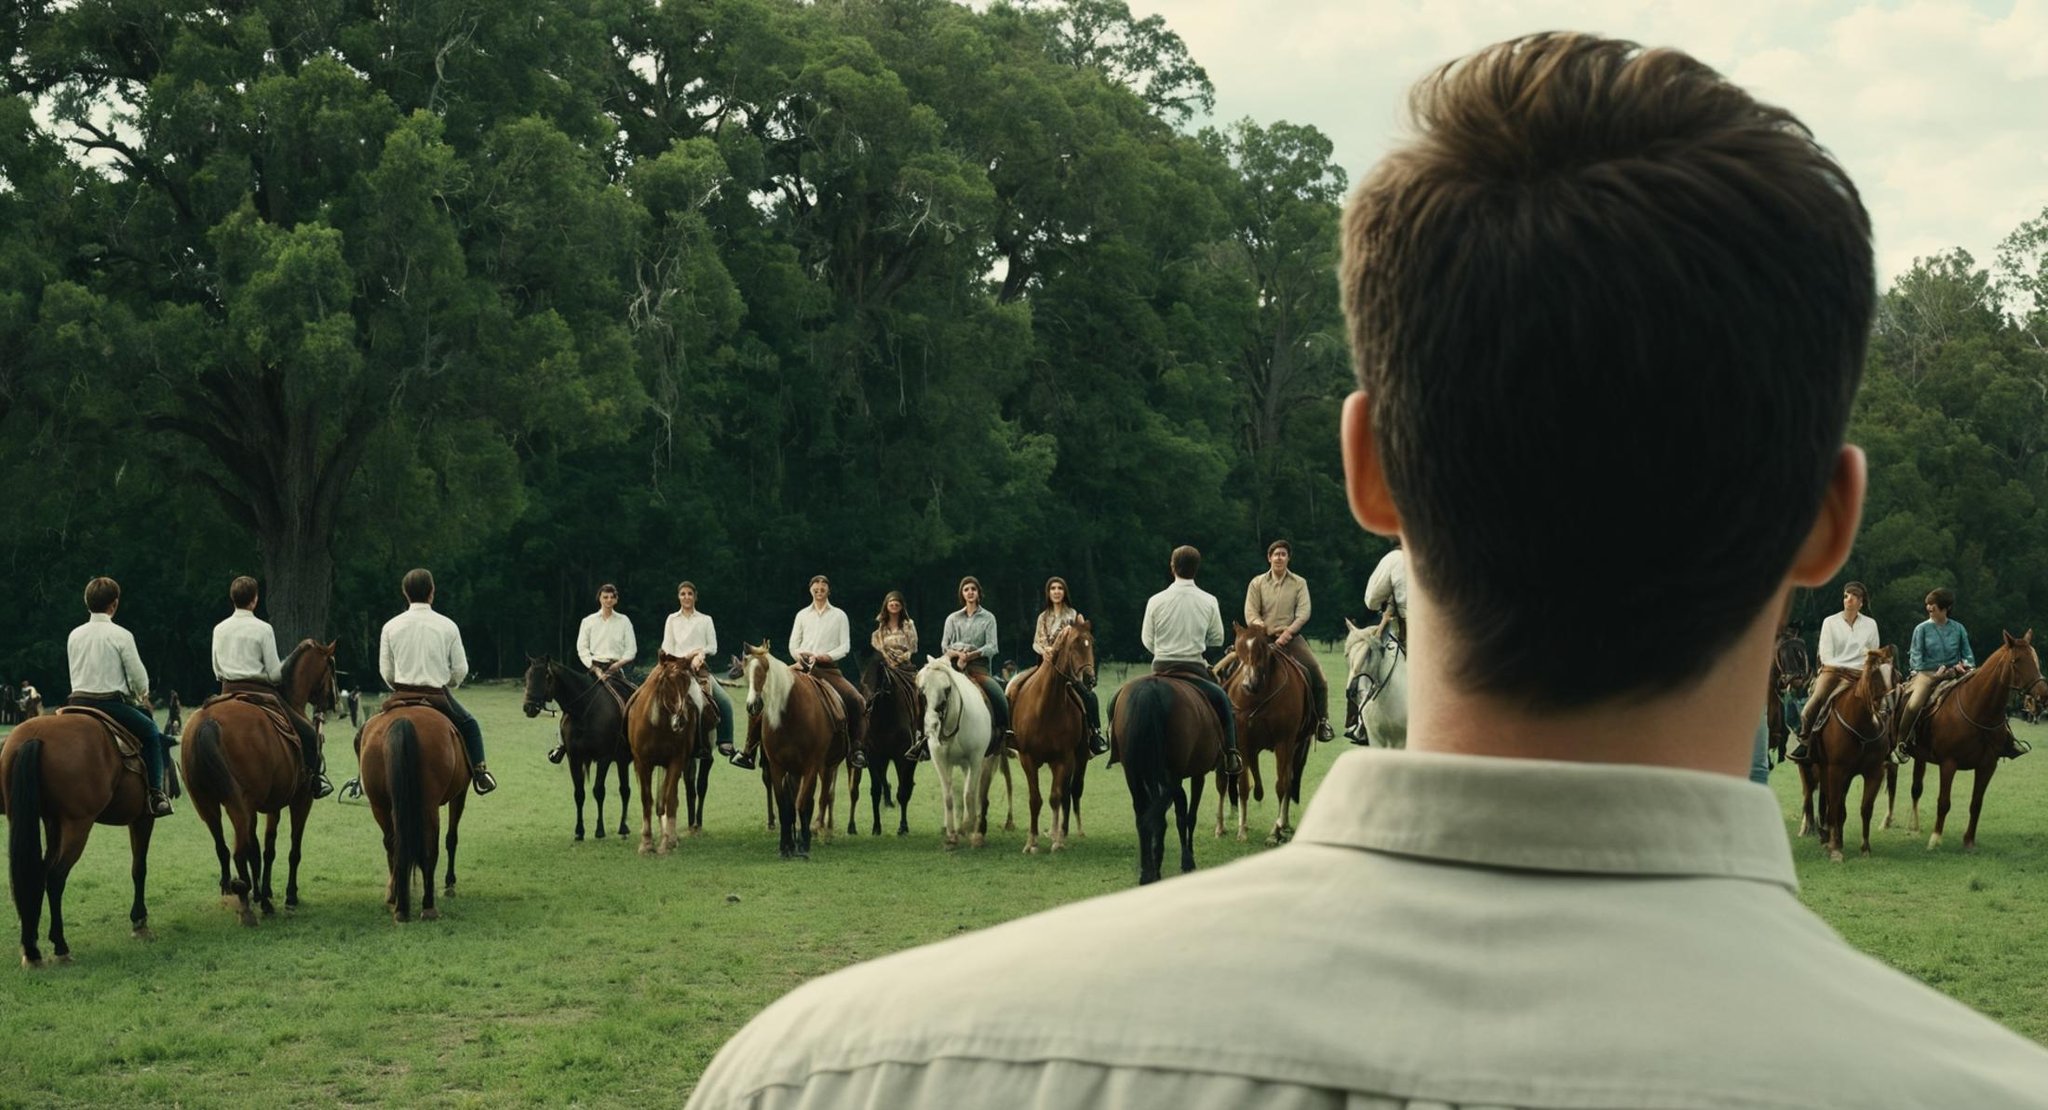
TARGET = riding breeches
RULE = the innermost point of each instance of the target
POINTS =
(1318, 686)
(1824, 685)
(1917, 690)
(856, 706)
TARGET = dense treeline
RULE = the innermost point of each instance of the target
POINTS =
(554, 292)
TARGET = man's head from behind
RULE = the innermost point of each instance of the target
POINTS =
(1608, 314)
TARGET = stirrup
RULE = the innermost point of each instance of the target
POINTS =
(321, 787)
(744, 761)
(858, 759)
(1233, 762)
(2017, 748)
(482, 781)
(920, 752)
(1098, 744)
(159, 805)
(1325, 732)
(353, 788)
(555, 755)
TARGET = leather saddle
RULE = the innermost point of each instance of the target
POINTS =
(126, 744)
(272, 707)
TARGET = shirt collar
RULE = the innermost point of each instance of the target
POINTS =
(1182, 584)
(1547, 815)
(1277, 577)
(99, 618)
(241, 614)
(419, 605)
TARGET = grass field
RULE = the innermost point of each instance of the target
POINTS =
(583, 973)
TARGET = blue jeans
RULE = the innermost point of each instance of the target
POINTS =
(724, 714)
(143, 727)
(1760, 756)
(998, 705)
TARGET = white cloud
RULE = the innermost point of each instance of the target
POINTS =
(1938, 108)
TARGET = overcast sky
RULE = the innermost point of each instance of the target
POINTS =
(1938, 108)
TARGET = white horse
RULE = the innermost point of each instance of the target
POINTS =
(1377, 679)
(956, 725)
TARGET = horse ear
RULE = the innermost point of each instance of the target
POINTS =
(2029, 637)
(330, 646)
(1348, 626)
(2009, 641)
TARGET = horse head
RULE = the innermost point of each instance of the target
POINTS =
(2025, 663)
(540, 685)
(1073, 653)
(941, 697)
(307, 676)
(1877, 674)
(756, 668)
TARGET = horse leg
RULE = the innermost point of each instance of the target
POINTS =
(65, 848)
(852, 800)
(806, 810)
(454, 823)
(625, 799)
(1870, 778)
(906, 778)
(784, 797)
(300, 809)
(1891, 791)
(577, 766)
(645, 769)
(878, 788)
(1186, 804)
(430, 861)
(1982, 781)
(1009, 797)
(1224, 796)
(1286, 779)
(671, 789)
(248, 861)
(1080, 780)
(1059, 769)
(1919, 779)
(138, 872)
(701, 769)
(1833, 810)
(1948, 776)
(264, 897)
(1037, 801)
(604, 765)
(211, 815)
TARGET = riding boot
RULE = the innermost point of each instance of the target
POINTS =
(481, 779)
(920, 752)
(556, 753)
(1097, 742)
(1324, 732)
(745, 760)
(2014, 748)
(857, 758)
(1005, 739)
(159, 806)
(1799, 752)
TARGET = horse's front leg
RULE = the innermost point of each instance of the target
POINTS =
(577, 766)
(604, 766)
(264, 897)
(645, 769)
(1948, 777)
(138, 872)
(625, 798)
(300, 810)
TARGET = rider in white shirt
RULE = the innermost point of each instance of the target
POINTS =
(420, 652)
(245, 660)
(106, 672)
(1182, 622)
(605, 645)
(819, 638)
(1845, 638)
(691, 636)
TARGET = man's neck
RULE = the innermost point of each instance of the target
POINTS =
(820, 606)
(687, 610)
(1851, 618)
(1277, 575)
(1707, 726)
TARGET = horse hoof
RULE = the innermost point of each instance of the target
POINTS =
(448, 892)
(1009, 826)
(1272, 840)
(600, 834)
(1865, 853)
(400, 917)
(1887, 823)
(977, 841)
(63, 960)
(1059, 845)
(1031, 849)
(430, 915)
(144, 934)
(902, 832)
(1834, 856)
(1934, 842)
(579, 834)
(646, 847)
(249, 919)
(1969, 848)
(31, 965)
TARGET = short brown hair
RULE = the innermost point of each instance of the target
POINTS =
(1571, 300)
(960, 591)
(242, 591)
(1277, 545)
(101, 593)
(418, 584)
(686, 584)
(1861, 591)
(817, 578)
(608, 588)
(1186, 561)
(1942, 598)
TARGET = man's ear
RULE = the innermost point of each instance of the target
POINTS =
(1834, 528)
(1365, 484)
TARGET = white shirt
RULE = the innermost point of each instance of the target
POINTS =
(1389, 581)
(1843, 644)
(245, 648)
(1181, 622)
(823, 633)
(1433, 937)
(684, 633)
(104, 659)
(420, 647)
(608, 638)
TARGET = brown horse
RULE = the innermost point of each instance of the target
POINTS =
(1051, 723)
(1168, 739)
(1791, 680)
(895, 717)
(1275, 713)
(1968, 730)
(593, 729)
(62, 773)
(412, 764)
(236, 759)
(1850, 742)
(798, 735)
(664, 726)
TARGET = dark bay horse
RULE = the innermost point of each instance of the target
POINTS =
(237, 759)
(1791, 679)
(1850, 742)
(1968, 730)
(1168, 739)
(895, 717)
(593, 727)
(1051, 723)
(797, 737)
(412, 764)
(664, 726)
(62, 774)
(1275, 711)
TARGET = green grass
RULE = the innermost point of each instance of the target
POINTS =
(584, 973)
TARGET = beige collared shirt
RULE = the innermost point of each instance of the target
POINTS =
(420, 647)
(245, 649)
(607, 638)
(1278, 603)
(1445, 931)
(104, 660)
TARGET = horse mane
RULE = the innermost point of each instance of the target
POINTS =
(1872, 685)
(663, 693)
(1063, 641)
(290, 667)
(775, 686)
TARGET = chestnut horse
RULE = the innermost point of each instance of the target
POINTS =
(664, 726)
(1968, 730)
(63, 773)
(1168, 738)
(895, 718)
(236, 759)
(412, 764)
(1852, 741)
(1051, 722)
(1272, 698)
(593, 728)
(798, 734)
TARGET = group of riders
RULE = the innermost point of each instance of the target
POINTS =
(420, 653)
(1940, 651)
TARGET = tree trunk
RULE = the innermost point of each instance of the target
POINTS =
(298, 573)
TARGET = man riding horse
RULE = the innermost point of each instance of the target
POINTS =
(419, 652)
(1279, 599)
(1845, 638)
(605, 645)
(691, 636)
(1182, 622)
(1387, 592)
(245, 660)
(819, 639)
(969, 640)
(106, 672)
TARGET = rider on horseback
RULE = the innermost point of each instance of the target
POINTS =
(1181, 623)
(1940, 651)
(1845, 638)
(245, 660)
(895, 642)
(605, 644)
(691, 636)
(818, 639)
(1058, 613)
(969, 640)
(106, 672)
(1387, 592)
(1279, 599)
(420, 652)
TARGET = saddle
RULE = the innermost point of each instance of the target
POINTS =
(1191, 681)
(272, 707)
(407, 699)
(126, 744)
(835, 706)
(1895, 709)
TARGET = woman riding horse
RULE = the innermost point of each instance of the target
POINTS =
(1057, 614)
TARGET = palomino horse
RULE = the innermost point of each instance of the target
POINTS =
(664, 727)
(1376, 689)
(412, 764)
(798, 733)
(956, 725)
(1968, 731)
(1273, 700)
(63, 773)
(593, 727)
(1791, 678)
(1051, 722)
(895, 718)
(1166, 734)
(1851, 742)
(237, 758)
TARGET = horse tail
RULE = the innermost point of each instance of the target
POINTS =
(1151, 710)
(25, 833)
(402, 766)
(210, 772)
